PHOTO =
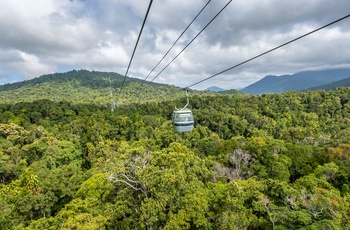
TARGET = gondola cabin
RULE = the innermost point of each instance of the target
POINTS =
(183, 120)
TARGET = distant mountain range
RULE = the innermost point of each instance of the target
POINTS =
(342, 83)
(299, 81)
(102, 88)
(222, 91)
(214, 89)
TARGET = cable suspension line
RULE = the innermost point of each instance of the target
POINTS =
(178, 39)
(192, 39)
(268, 51)
(133, 53)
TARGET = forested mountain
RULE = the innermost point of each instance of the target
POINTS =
(332, 86)
(299, 81)
(223, 91)
(215, 89)
(230, 91)
(276, 161)
(86, 87)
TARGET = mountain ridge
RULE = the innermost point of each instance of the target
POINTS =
(332, 86)
(214, 89)
(298, 81)
(91, 87)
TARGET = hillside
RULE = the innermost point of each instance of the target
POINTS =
(298, 81)
(90, 87)
(332, 86)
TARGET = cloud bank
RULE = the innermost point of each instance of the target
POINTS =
(46, 36)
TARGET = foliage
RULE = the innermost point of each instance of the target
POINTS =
(277, 161)
(90, 87)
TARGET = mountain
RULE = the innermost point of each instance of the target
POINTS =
(90, 87)
(298, 81)
(230, 91)
(222, 91)
(214, 89)
(332, 86)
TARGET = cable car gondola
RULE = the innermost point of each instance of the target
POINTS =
(183, 120)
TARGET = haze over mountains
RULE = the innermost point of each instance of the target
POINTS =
(298, 81)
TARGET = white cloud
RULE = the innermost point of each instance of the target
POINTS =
(41, 36)
(30, 66)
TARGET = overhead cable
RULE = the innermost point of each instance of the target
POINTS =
(133, 53)
(177, 39)
(192, 39)
(266, 52)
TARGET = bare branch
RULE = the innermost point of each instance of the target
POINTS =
(127, 178)
(238, 159)
(132, 166)
(143, 188)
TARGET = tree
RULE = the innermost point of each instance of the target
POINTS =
(239, 165)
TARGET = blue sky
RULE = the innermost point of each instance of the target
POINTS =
(46, 36)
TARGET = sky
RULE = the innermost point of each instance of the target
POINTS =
(48, 36)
